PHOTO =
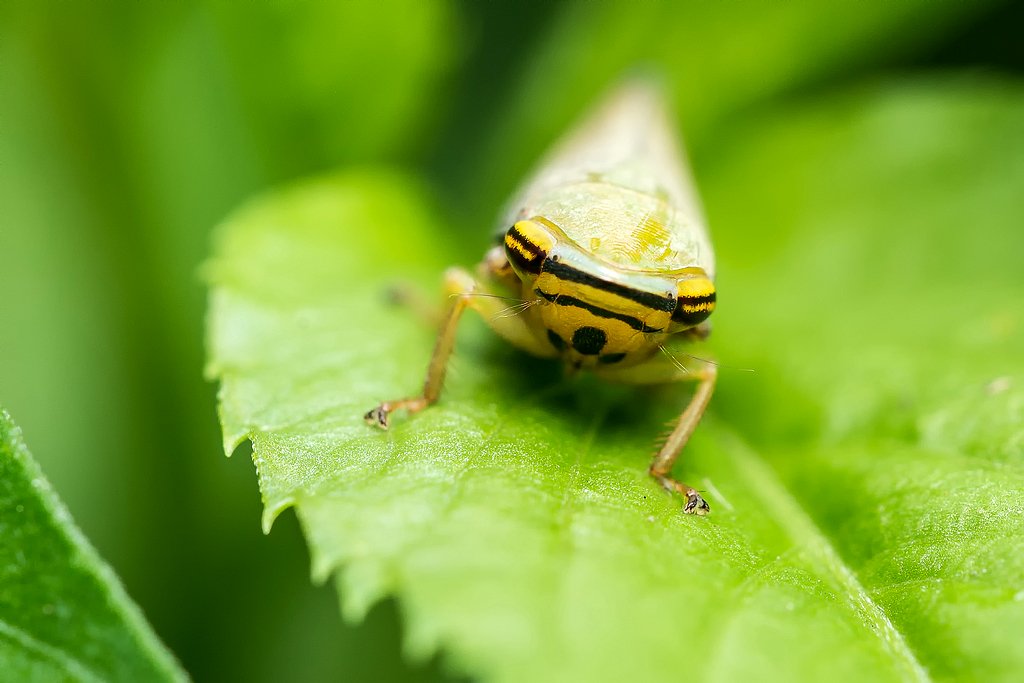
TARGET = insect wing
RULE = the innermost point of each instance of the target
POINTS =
(628, 142)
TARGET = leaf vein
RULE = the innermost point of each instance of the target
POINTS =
(799, 524)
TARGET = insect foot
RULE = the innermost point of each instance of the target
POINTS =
(695, 504)
(378, 417)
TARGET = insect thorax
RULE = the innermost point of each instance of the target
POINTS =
(633, 230)
(594, 312)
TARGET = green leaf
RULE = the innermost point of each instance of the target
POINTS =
(881, 234)
(63, 614)
(864, 479)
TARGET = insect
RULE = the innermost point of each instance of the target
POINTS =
(607, 248)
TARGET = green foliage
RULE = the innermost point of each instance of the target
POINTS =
(864, 479)
(885, 257)
(63, 614)
(721, 57)
(129, 129)
(302, 71)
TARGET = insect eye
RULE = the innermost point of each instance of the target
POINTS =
(695, 298)
(527, 244)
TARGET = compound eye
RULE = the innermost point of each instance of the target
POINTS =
(527, 244)
(696, 298)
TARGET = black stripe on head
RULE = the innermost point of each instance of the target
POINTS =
(568, 273)
(523, 254)
(563, 300)
(693, 310)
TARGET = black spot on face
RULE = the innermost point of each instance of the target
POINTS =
(589, 340)
(610, 358)
(556, 341)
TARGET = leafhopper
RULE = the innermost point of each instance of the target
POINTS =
(607, 249)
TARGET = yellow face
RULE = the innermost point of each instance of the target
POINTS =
(592, 313)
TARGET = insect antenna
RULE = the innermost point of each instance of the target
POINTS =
(717, 364)
(675, 361)
(679, 364)
(518, 309)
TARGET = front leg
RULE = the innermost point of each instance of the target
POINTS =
(658, 372)
(464, 292)
(661, 466)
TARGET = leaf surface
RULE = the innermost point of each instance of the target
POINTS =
(63, 614)
(890, 385)
(865, 524)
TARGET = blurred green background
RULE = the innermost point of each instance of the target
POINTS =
(128, 130)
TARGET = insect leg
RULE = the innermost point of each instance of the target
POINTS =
(665, 458)
(494, 268)
(464, 292)
(410, 297)
(661, 466)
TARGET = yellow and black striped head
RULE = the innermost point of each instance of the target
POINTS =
(595, 313)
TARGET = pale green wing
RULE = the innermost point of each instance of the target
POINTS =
(618, 185)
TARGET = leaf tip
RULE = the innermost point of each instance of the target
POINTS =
(232, 441)
(321, 568)
(271, 512)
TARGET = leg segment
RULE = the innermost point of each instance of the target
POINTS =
(465, 293)
(380, 415)
(661, 466)
(411, 298)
